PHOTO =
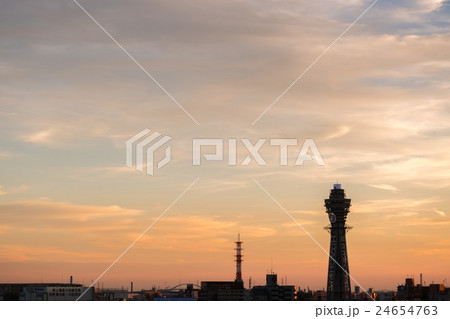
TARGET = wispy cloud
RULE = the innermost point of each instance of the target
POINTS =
(440, 212)
(85, 227)
(5, 154)
(41, 137)
(341, 131)
(13, 190)
(385, 187)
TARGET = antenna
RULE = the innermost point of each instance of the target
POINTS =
(238, 259)
(271, 266)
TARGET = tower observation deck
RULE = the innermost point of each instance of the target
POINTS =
(337, 208)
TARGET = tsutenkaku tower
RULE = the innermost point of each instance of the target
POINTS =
(337, 208)
(238, 259)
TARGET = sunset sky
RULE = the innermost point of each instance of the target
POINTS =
(377, 105)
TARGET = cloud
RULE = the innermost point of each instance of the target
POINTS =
(13, 190)
(42, 137)
(441, 213)
(56, 211)
(385, 187)
(22, 253)
(40, 230)
(225, 185)
(112, 170)
(394, 205)
(343, 130)
(4, 228)
(5, 154)
(431, 5)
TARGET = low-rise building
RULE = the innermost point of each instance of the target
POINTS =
(272, 291)
(221, 291)
(433, 292)
(45, 292)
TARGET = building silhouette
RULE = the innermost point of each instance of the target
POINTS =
(337, 208)
(45, 292)
(272, 291)
(432, 292)
(221, 291)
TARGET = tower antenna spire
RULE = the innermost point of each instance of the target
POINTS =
(238, 259)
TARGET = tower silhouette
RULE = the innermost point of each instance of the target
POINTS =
(238, 259)
(337, 208)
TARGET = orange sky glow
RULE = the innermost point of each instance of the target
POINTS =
(376, 105)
